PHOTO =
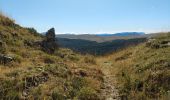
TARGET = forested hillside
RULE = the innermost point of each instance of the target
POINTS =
(95, 48)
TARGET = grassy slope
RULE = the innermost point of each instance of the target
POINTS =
(143, 72)
(70, 75)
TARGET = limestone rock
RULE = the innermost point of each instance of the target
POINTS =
(49, 45)
(50, 35)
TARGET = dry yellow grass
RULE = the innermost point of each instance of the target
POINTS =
(141, 71)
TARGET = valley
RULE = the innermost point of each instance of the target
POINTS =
(95, 48)
(36, 67)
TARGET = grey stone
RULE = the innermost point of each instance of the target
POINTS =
(5, 59)
(49, 45)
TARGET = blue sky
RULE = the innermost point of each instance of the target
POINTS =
(90, 16)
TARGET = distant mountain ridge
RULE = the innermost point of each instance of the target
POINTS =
(123, 34)
(103, 37)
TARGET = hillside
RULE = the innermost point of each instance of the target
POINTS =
(29, 71)
(142, 72)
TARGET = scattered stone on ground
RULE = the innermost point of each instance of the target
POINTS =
(34, 81)
(4, 59)
(109, 89)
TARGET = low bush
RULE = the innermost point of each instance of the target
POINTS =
(90, 60)
(6, 21)
(87, 93)
(12, 95)
(49, 60)
(73, 57)
(18, 58)
(58, 70)
(36, 93)
(2, 47)
(56, 95)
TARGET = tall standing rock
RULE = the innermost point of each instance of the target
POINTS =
(50, 44)
(50, 35)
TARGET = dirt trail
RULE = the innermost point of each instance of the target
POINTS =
(109, 90)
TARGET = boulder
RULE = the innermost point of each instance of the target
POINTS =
(49, 45)
(168, 43)
(5, 59)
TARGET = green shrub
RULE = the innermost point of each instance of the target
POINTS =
(126, 83)
(2, 50)
(87, 93)
(157, 84)
(17, 43)
(56, 95)
(58, 70)
(6, 21)
(9, 89)
(32, 30)
(49, 59)
(2, 47)
(18, 58)
(12, 95)
(78, 83)
(73, 57)
(14, 73)
(36, 92)
(90, 59)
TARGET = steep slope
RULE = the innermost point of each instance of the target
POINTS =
(28, 72)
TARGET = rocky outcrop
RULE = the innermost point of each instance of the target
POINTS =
(156, 44)
(49, 45)
(50, 35)
(34, 81)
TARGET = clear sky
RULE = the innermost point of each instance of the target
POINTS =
(90, 16)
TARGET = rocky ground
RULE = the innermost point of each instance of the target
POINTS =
(109, 89)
